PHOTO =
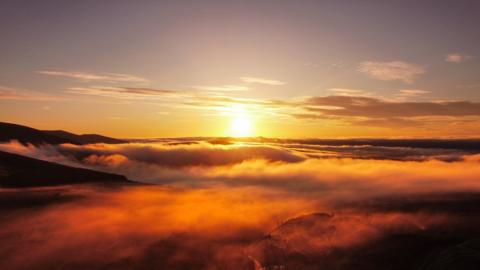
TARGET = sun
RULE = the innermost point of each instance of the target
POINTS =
(241, 126)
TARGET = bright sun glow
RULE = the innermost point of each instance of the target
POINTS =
(241, 123)
(241, 127)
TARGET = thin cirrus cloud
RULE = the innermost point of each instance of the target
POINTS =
(376, 112)
(239, 88)
(392, 71)
(350, 92)
(121, 92)
(261, 81)
(223, 88)
(89, 76)
(457, 57)
(413, 92)
(350, 106)
(8, 93)
(375, 107)
(391, 113)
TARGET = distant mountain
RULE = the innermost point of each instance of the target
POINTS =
(83, 138)
(21, 171)
(26, 134)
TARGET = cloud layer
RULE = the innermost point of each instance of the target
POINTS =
(295, 166)
(246, 205)
(121, 92)
(457, 57)
(370, 111)
(89, 76)
(374, 107)
(392, 71)
(261, 81)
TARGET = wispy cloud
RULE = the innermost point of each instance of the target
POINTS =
(89, 76)
(375, 107)
(228, 105)
(347, 107)
(412, 92)
(121, 92)
(392, 71)
(350, 92)
(261, 81)
(457, 57)
(9, 93)
(375, 112)
(223, 88)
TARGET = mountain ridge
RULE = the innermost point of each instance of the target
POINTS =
(22, 171)
(25, 135)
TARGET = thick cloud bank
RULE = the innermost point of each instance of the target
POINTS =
(293, 167)
(276, 205)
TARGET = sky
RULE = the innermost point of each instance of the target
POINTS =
(297, 69)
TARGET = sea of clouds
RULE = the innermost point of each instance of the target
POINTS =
(240, 205)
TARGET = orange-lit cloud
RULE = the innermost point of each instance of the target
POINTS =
(391, 71)
(374, 107)
(241, 205)
(350, 92)
(348, 108)
(217, 227)
(121, 92)
(412, 92)
(261, 81)
(9, 93)
(223, 88)
(370, 111)
(103, 227)
(360, 171)
(89, 76)
(457, 57)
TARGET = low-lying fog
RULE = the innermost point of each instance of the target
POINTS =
(245, 206)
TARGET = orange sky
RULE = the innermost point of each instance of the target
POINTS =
(273, 69)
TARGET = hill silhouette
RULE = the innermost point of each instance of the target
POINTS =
(21, 171)
(83, 138)
(24, 135)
